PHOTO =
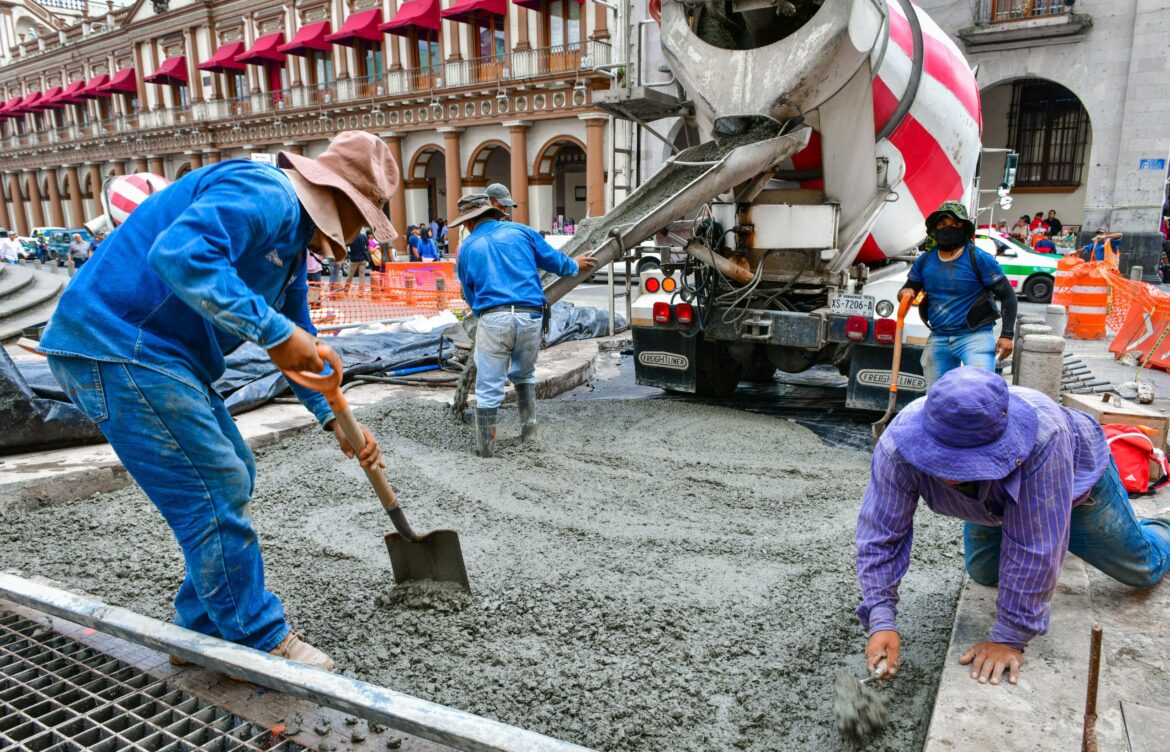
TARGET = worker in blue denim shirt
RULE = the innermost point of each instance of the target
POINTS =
(499, 269)
(140, 334)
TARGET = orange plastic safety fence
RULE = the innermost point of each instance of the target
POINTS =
(1139, 313)
(389, 295)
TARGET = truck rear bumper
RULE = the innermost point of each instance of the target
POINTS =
(869, 377)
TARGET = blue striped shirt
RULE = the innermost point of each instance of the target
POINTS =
(1033, 505)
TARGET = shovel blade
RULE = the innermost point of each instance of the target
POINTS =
(435, 556)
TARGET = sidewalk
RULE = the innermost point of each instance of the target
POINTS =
(59, 475)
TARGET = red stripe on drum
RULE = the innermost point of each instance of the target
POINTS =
(939, 62)
(930, 177)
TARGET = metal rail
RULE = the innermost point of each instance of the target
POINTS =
(427, 720)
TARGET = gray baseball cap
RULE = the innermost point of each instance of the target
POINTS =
(500, 192)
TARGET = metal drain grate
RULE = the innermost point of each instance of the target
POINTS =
(58, 694)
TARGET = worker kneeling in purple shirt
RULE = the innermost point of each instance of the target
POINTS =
(1032, 480)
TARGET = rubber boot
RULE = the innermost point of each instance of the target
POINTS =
(526, 397)
(485, 431)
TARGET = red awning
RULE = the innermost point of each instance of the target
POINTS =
(11, 108)
(538, 4)
(264, 50)
(172, 72)
(123, 82)
(467, 11)
(224, 59)
(309, 39)
(31, 103)
(71, 94)
(363, 26)
(49, 100)
(95, 89)
(414, 15)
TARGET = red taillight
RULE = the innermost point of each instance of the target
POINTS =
(857, 328)
(685, 313)
(884, 330)
(652, 284)
(662, 313)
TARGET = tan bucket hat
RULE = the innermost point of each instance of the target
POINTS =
(473, 206)
(359, 165)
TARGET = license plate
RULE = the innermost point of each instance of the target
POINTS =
(851, 304)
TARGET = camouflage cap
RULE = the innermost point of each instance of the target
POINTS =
(953, 209)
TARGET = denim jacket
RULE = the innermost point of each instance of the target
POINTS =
(500, 263)
(213, 260)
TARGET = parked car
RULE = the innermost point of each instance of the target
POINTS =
(1032, 274)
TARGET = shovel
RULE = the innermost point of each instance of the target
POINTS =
(434, 556)
(896, 367)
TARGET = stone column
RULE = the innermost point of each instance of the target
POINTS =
(1042, 364)
(595, 164)
(212, 156)
(192, 51)
(76, 209)
(56, 209)
(5, 220)
(95, 180)
(139, 165)
(196, 159)
(19, 217)
(398, 200)
(157, 166)
(518, 139)
(453, 180)
(36, 208)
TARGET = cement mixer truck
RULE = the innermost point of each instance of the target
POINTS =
(832, 128)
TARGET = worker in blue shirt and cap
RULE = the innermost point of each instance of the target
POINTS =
(139, 337)
(499, 268)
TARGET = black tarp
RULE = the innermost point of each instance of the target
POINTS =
(38, 415)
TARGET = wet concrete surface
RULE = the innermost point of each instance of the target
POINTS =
(655, 574)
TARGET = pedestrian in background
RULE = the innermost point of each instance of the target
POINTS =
(427, 249)
(9, 249)
(499, 268)
(412, 243)
(1031, 480)
(1055, 226)
(359, 256)
(78, 251)
(1020, 228)
(1044, 244)
(960, 281)
(313, 265)
(441, 238)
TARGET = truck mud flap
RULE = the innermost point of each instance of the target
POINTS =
(869, 377)
(665, 359)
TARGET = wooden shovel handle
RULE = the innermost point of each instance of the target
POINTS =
(328, 383)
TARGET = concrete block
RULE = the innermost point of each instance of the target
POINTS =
(1041, 363)
(1033, 325)
(1056, 317)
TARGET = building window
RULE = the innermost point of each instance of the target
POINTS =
(563, 23)
(369, 59)
(491, 38)
(1048, 127)
(237, 85)
(320, 69)
(1018, 10)
(425, 55)
(80, 114)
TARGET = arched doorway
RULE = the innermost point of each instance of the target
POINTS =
(491, 163)
(560, 166)
(1046, 124)
(426, 192)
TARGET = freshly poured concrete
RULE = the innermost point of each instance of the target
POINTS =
(653, 576)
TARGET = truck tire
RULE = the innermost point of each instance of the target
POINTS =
(760, 374)
(716, 374)
(1038, 288)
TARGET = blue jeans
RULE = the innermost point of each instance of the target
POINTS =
(506, 346)
(1104, 532)
(182, 447)
(944, 353)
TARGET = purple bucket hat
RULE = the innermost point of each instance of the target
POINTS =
(968, 427)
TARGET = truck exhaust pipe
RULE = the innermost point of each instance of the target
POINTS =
(697, 249)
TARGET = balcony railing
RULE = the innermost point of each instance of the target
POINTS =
(490, 71)
(1019, 10)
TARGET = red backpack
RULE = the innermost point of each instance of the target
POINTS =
(1137, 458)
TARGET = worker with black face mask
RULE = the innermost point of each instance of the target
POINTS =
(962, 285)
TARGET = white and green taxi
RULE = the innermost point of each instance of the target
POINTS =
(1031, 274)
